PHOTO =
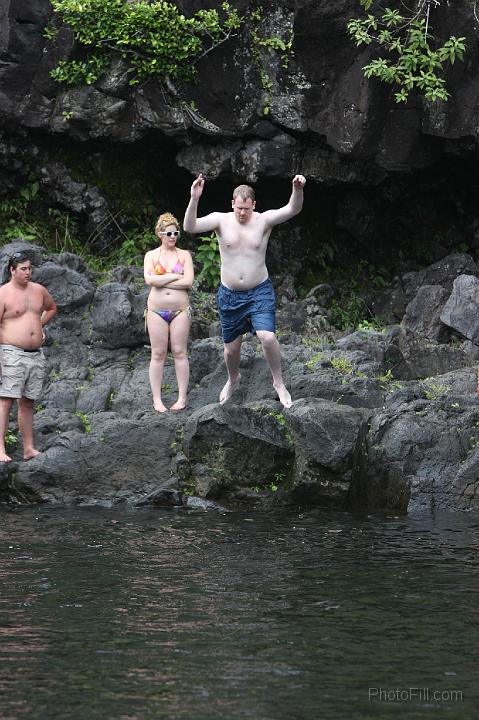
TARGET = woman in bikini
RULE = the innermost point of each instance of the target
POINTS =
(169, 272)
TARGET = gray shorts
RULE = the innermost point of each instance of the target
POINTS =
(22, 372)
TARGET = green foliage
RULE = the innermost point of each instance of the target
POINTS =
(387, 381)
(343, 365)
(312, 363)
(86, 422)
(273, 487)
(411, 58)
(208, 256)
(351, 311)
(133, 247)
(326, 261)
(279, 479)
(14, 215)
(433, 390)
(76, 73)
(205, 306)
(269, 42)
(25, 216)
(259, 43)
(11, 440)
(49, 32)
(374, 324)
(58, 231)
(153, 38)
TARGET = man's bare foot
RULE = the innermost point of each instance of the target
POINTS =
(178, 405)
(283, 394)
(159, 407)
(229, 389)
(4, 457)
(30, 453)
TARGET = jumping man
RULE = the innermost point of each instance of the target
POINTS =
(246, 298)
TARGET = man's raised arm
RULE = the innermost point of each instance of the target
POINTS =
(294, 206)
(191, 222)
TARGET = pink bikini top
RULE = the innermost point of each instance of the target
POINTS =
(178, 268)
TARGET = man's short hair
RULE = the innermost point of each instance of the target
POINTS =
(245, 192)
(17, 258)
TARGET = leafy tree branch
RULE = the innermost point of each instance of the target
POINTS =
(153, 38)
(411, 58)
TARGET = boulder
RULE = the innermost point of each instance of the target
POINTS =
(460, 311)
(423, 314)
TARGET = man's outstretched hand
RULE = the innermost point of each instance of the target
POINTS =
(197, 187)
(299, 181)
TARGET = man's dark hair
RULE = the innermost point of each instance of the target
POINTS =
(17, 258)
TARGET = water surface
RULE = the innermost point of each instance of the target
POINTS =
(148, 613)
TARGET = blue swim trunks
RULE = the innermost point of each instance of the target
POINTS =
(243, 311)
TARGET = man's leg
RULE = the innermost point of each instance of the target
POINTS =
(232, 355)
(272, 354)
(25, 425)
(5, 407)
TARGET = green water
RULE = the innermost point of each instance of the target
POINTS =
(139, 614)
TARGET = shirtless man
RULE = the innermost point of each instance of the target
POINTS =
(245, 297)
(25, 307)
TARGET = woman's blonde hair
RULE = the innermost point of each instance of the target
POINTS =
(165, 220)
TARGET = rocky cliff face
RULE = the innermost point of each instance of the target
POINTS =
(376, 170)
(323, 115)
(381, 420)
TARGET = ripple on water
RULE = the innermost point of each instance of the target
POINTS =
(149, 613)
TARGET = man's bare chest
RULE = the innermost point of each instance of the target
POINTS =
(243, 240)
(21, 304)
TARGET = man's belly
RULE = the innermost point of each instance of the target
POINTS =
(24, 334)
(243, 279)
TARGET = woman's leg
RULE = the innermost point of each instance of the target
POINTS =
(179, 331)
(158, 331)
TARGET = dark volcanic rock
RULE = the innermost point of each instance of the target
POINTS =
(320, 98)
(460, 311)
(379, 420)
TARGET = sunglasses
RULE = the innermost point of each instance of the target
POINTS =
(20, 256)
(170, 233)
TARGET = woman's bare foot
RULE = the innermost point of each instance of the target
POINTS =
(159, 407)
(283, 394)
(178, 405)
(5, 458)
(229, 389)
(30, 453)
